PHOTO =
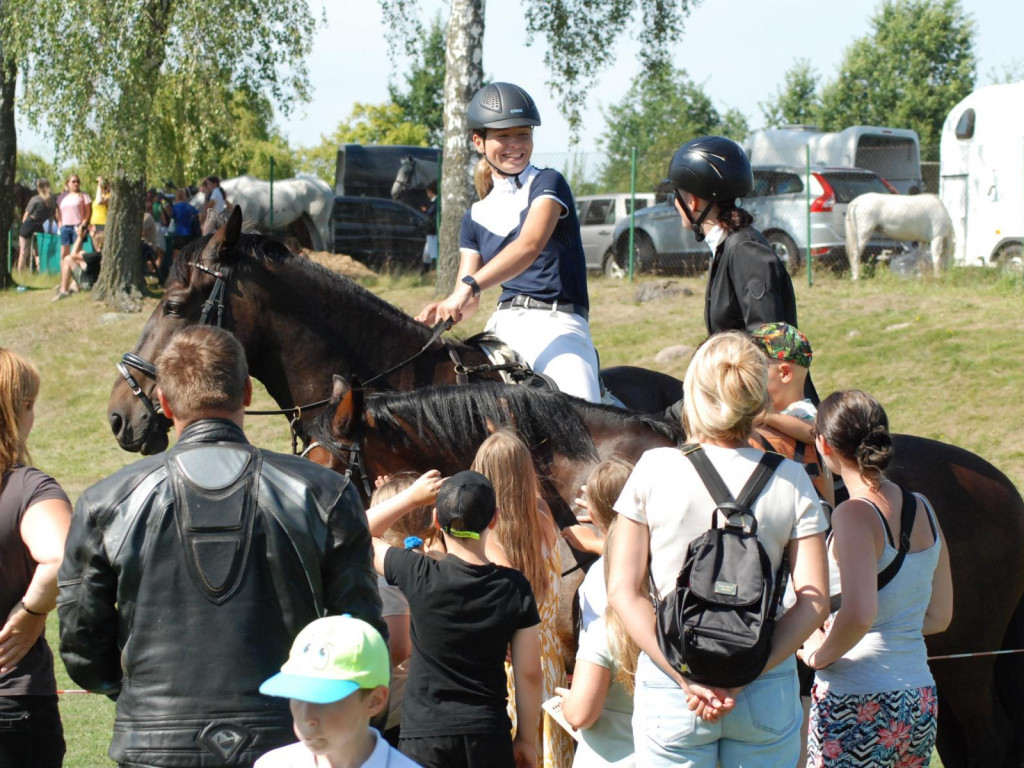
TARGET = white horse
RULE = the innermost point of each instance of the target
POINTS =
(902, 217)
(306, 198)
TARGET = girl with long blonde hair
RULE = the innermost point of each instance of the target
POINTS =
(525, 538)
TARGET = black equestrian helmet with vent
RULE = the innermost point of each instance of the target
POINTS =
(712, 168)
(501, 105)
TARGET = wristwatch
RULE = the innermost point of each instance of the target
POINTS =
(471, 282)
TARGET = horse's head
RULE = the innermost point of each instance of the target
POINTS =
(132, 409)
(404, 179)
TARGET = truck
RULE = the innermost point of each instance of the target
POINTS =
(892, 153)
(981, 176)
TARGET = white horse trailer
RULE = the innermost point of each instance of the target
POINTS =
(892, 153)
(981, 164)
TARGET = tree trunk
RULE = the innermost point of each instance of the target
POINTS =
(8, 161)
(122, 281)
(463, 76)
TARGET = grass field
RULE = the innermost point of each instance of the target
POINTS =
(942, 355)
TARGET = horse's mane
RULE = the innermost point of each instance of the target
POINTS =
(325, 293)
(614, 415)
(451, 419)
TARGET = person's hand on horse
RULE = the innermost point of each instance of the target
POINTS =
(584, 539)
(428, 315)
(451, 308)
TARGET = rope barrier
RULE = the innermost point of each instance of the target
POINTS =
(972, 655)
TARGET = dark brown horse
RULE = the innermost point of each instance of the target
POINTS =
(299, 323)
(981, 513)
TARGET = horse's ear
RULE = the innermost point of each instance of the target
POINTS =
(348, 407)
(339, 389)
(232, 231)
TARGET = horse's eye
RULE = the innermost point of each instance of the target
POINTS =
(172, 308)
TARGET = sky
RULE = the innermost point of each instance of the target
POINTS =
(739, 50)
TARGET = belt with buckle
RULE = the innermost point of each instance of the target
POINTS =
(528, 302)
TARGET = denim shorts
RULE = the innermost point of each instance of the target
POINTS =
(68, 234)
(763, 729)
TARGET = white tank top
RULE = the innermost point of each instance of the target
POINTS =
(892, 655)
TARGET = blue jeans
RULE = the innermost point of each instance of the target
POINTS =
(68, 234)
(763, 730)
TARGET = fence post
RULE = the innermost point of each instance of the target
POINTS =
(632, 206)
(810, 277)
(271, 192)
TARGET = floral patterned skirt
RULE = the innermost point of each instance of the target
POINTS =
(876, 730)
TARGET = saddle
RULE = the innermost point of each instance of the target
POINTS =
(515, 370)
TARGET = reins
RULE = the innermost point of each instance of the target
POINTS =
(215, 305)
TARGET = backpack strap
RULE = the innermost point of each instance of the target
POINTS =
(906, 528)
(888, 573)
(716, 486)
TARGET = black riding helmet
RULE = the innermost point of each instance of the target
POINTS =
(501, 105)
(713, 168)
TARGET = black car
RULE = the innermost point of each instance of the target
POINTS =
(381, 233)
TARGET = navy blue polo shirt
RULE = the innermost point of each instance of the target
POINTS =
(559, 273)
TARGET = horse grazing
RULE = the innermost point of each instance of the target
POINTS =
(302, 204)
(908, 218)
(300, 322)
(981, 513)
(414, 174)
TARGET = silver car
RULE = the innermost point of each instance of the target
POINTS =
(660, 242)
(598, 215)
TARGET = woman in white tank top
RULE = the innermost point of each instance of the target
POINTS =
(874, 702)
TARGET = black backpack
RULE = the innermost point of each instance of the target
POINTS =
(716, 627)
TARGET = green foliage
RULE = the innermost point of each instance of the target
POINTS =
(581, 37)
(797, 101)
(909, 72)
(128, 68)
(422, 101)
(32, 166)
(657, 114)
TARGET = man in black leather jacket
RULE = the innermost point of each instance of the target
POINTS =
(188, 574)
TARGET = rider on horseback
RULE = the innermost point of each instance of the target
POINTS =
(524, 235)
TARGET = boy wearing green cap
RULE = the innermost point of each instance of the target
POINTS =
(466, 613)
(337, 679)
(789, 359)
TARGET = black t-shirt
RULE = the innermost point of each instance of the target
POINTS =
(463, 617)
(20, 488)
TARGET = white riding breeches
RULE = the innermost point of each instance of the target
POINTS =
(557, 344)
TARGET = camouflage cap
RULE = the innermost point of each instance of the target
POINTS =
(782, 341)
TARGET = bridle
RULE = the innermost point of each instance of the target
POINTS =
(214, 307)
(215, 301)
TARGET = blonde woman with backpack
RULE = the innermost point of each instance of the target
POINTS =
(663, 507)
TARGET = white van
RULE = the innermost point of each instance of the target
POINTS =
(598, 215)
(892, 153)
(981, 154)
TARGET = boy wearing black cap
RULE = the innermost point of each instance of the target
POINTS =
(465, 613)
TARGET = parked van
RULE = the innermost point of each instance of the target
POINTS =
(892, 153)
(981, 168)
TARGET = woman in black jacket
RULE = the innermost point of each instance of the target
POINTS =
(748, 285)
